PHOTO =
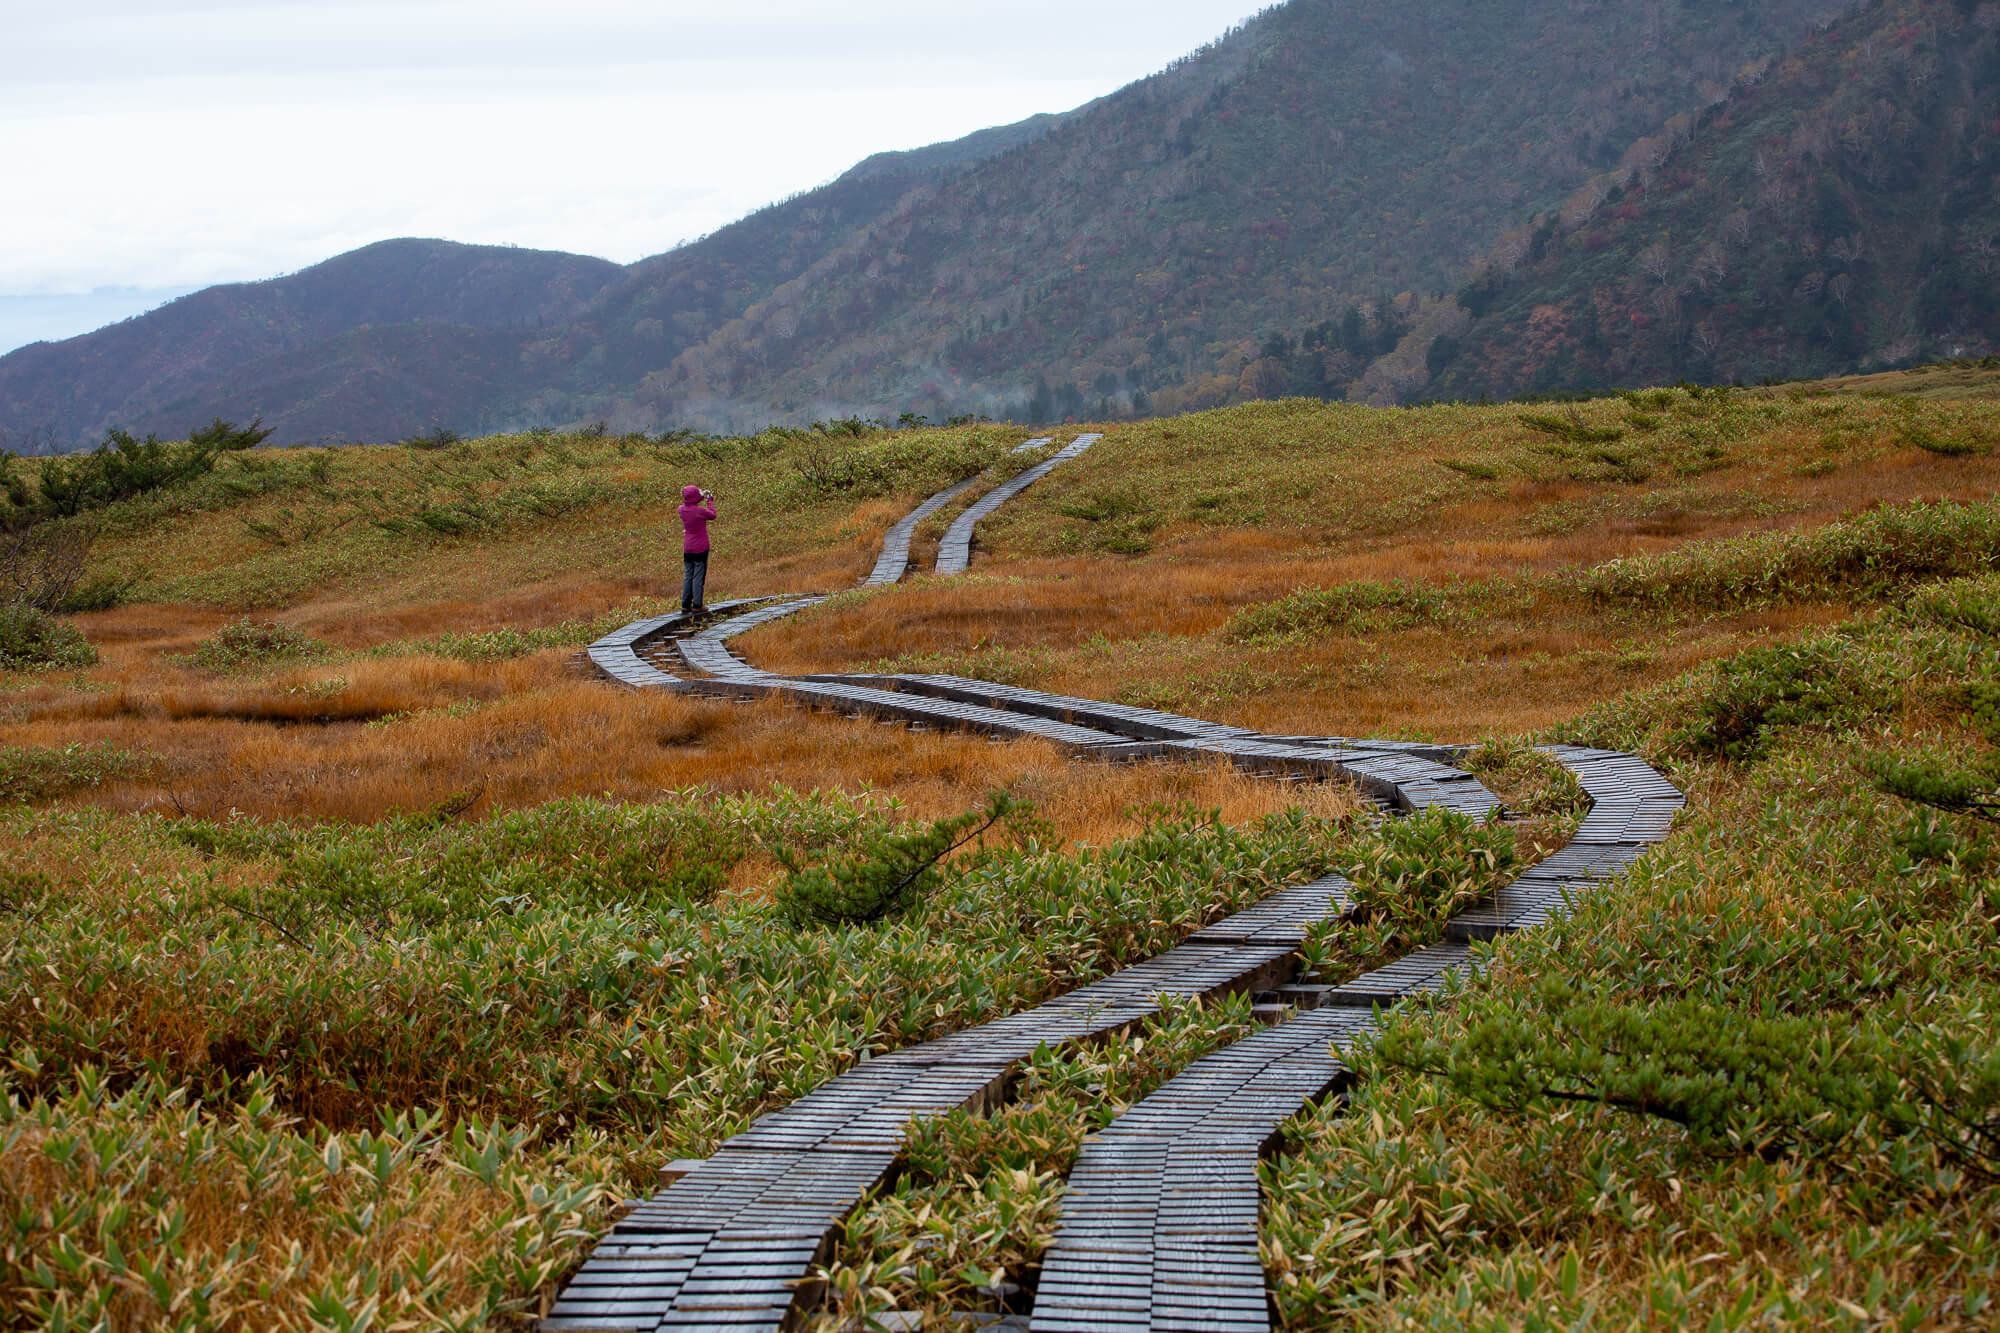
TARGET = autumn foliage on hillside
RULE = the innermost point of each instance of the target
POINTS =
(1327, 158)
(1834, 212)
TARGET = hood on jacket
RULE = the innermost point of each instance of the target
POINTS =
(691, 494)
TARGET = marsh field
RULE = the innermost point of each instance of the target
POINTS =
(360, 958)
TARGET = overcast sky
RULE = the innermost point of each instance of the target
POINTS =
(149, 147)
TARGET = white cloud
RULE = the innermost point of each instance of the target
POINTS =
(162, 145)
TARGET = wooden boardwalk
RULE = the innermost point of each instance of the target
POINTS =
(1159, 1224)
(955, 552)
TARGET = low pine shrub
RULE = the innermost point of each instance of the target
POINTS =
(1944, 434)
(1825, 683)
(438, 437)
(32, 640)
(1734, 1081)
(123, 467)
(1939, 781)
(1570, 426)
(891, 870)
(96, 594)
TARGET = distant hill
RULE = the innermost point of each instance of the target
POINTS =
(184, 362)
(404, 335)
(1266, 216)
(1837, 213)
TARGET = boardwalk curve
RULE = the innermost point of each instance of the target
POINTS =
(1159, 1225)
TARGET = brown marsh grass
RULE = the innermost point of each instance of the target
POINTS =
(1245, 506)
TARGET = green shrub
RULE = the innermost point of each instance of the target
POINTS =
(246, 643)
(1570, 426)
(20, 890)
(438, 437)
(123, 467)
(1429, 866)
(1408, 878)
(1949, 438)
(1471, 468)
(1819, 683)
(1736, 1082)
(1104, 506)
(32, 640)
(826, 467)
(1970, 604)
(1534, 784)
(98, 594)
(891, 870)
(1361, 606)
(427, 867)
(1871, 555)
(1938, 781)
(35, 773)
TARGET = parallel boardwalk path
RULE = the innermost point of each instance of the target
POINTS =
(955, 552)
(1159, 1226)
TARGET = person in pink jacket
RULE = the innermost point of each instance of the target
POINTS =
(697, 511)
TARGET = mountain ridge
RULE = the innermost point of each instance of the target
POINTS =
(1329, 156)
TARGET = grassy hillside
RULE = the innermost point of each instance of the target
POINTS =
(358, 956)
(1834, 214)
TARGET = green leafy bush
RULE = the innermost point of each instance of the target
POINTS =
(1408, 878)
(424, 867)
(826, 465)
(32, 640)
(1361, 606)
(979, 1194)
(31, 774)
(1971, 604)
(1429, 866)
(1870, 555)
(246, 643)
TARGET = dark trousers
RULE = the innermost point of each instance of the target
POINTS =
(694, 574)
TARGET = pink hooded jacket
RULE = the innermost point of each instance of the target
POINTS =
(695, 518)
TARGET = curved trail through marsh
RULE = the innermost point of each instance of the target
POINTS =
(1159, 1222)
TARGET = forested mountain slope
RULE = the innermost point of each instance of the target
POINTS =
(1332, 152)
(178, 356)
(1311, 175)
(1837, 213)
(403, 335)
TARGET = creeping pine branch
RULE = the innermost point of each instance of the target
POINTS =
(278, 926)
(997, 810)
